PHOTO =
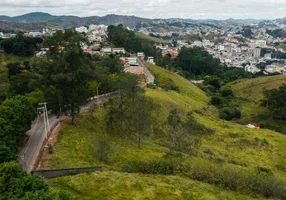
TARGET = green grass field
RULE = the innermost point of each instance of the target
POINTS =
(153, 39)
(252, 89)
(250, 92)
(229, 144)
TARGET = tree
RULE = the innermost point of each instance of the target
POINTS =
(16, 184)
(174, 122)
(142, 115)
(6, 154)
(275, 101)
(16, 115)
(13, 69)
(26, 63)
(117, 116)
(21, 45)
(196, 61)
(24, 83)
(67, 70)
(226, 91)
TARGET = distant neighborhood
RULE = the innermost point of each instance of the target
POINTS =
(252, 47)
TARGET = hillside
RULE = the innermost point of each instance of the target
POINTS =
(225, 146)
(37, 21)
(252, 89)
(250, 92)
(153, 39)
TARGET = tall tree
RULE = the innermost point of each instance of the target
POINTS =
(174, 122)
(16, 115)
(67, 70)
(16, 184)
(141, 115)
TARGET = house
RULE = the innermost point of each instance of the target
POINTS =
(81, 29)
(150, 60)
(140, 55)
(119, 50)
(106, 50)
(252, 69)
(129, 60)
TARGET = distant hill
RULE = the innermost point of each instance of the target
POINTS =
(70, 21)
(17, 26)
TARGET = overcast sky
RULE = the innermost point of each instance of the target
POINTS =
(195, 9)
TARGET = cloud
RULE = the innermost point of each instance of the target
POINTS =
(197, 9)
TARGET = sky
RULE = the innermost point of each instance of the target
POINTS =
(193, 9)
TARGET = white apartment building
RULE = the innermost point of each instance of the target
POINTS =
(257, 53)
(81, 29)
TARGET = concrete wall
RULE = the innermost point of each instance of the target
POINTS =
(65, 172)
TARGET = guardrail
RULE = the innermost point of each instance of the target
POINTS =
(65, 172)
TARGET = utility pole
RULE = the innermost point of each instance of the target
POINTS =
(42, 108)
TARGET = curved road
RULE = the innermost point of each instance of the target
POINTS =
(28, 155)
(30, 152)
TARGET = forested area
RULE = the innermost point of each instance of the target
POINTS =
(65, 78)
(275, 101)
(21, 45)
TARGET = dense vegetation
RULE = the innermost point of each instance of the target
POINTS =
(45, 79)
(277, 33)
(275, 101)
(170, 128)
(253, 102)
(21, 45)
(195, 61)
(188, 143)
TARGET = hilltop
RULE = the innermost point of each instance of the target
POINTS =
(223, 146)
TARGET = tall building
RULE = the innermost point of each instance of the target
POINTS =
(257, 53)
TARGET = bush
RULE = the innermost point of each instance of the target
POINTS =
(149, 167)
(229, 113)
(102, 150)
(50, 149)
(216, 100)
(226, 92)
(167, 83)
(258, 181)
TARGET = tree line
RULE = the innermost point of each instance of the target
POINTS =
(21, 45)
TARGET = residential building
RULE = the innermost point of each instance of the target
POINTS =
(257, 53)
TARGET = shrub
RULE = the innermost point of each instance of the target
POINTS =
(259, 181)
(167, 83)
(103, 150)
(216, 100)
(226, 92)
(50, 149)
(229, 113)
(149, 167)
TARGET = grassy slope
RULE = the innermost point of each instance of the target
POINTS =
(153, 39)
(250, 91)
(231, 143)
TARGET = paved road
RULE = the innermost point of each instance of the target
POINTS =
(28, 155)
(30, 152)
(149, 76)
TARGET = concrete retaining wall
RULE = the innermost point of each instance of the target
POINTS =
(65, 172)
